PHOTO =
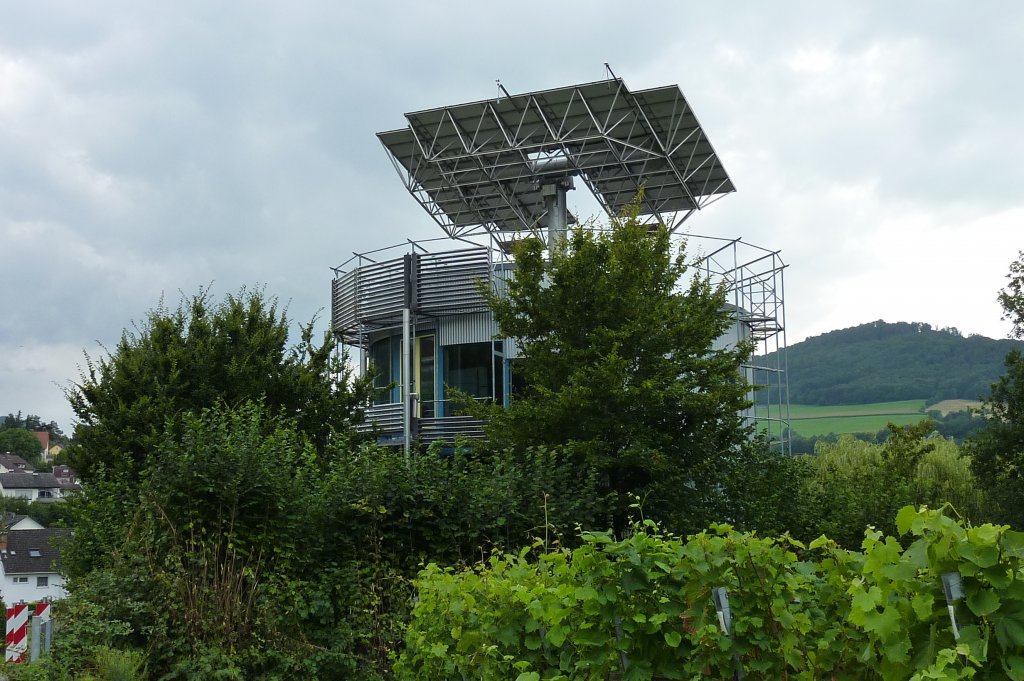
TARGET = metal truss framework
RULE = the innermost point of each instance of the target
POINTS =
(479, 168)
(754, 281)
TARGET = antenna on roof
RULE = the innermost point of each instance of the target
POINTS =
(501, 88)
(611, 74)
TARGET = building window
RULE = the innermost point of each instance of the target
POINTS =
(380, 359)
(42, 581)
(474, 369)
(34, 553)
(21, 580)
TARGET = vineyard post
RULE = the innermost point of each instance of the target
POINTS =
(954, 590)
(721, 598)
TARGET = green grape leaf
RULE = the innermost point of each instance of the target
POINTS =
(922, 604)
(884, 624)
(983, 602)
(905, 519)
(1013, 665)
(1013, 544)
(1010, 632)
(983, 556)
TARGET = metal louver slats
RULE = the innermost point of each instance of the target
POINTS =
(448, 281)
(374, 295)
(381, 290)
(343, 302)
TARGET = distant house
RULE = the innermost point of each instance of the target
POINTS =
(12, 463)
(65, 475)
(44, 443)
(31, 486)
(67, 479)
(16, 523)
(30, 567)
(13, 521)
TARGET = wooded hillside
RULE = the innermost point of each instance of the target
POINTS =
(883, 362)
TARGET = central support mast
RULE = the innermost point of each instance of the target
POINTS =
(556, 214)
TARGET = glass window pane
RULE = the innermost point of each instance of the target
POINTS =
(380, 359)
(426, 376)
(468, 368)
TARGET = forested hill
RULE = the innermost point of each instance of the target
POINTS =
(882, 362)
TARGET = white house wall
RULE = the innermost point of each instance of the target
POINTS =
(16, 593)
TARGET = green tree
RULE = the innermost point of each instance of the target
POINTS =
(851, 484)
(1012, 297)
(620, 364)
(23, 443)
(998, 448)
(198, 355)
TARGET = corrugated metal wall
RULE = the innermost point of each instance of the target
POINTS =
(466, 328)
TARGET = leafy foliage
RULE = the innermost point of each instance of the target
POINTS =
(998, 449)
(244, 555)
(853, 484)
(618, 364)
(33, 422)
(191, 358)
(642, 608)
(23, 443)
(1012, 297)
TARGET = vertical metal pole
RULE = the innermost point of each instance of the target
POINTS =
(557, 218)
(560, 215)
(406, 379)
(34, 650)
(48, 636)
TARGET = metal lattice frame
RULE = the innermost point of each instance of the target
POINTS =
(754, 281)
(478, 168)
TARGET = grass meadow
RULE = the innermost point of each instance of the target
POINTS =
(808, 420)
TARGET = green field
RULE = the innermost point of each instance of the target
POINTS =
(808, 420)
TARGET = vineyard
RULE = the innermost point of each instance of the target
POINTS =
(942, 601)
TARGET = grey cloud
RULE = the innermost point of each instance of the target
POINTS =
(152, 149)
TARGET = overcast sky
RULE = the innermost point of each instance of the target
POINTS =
(148, 149)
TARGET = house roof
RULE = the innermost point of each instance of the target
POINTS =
(43, 437)
(33, 551)
(14, 462)
(28, 481)
(11, 519)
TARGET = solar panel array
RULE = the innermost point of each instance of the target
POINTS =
(479, 167)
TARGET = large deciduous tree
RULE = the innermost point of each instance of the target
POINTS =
(620, 361)
(21, 442)
(198, 355)
(1012, 297)
(998, 448)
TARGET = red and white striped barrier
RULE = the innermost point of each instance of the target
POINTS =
(17, 633)
(43, 612)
